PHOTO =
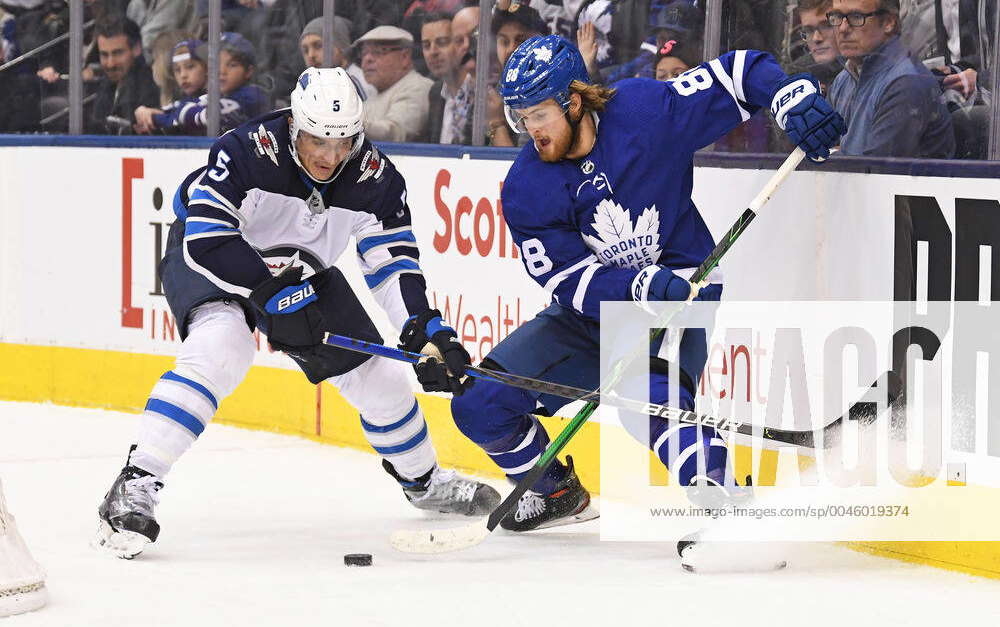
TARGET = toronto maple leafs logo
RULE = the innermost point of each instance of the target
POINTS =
(543, 54)
(621, 243)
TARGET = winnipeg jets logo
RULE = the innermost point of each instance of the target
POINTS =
(543, 54)
(372, 165)
(265, 143)
(281, 257)
(619, 242)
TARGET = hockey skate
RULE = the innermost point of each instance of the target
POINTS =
(127, 520)
(698, 555)
(447, 492)
(568, 503)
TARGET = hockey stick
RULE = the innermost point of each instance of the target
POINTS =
(805, 438)
(470, 535)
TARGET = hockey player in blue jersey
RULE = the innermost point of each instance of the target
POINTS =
(256, 236)
(600, 206)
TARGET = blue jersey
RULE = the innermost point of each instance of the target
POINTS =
(190, 114)
(252, 211)
(589, 227)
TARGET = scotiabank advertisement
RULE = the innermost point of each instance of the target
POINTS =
(79, 255)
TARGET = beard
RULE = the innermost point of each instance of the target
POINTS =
(559, 144)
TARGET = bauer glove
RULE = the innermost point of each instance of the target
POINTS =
(806, 116)
(665, 285)
(444, 371)
(291, 310)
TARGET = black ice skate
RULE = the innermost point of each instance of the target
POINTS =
(447, 492)
(568, 503)
(128, 522)
(698, 555)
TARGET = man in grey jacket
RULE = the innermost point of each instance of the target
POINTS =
(398, 112)
(891, 102)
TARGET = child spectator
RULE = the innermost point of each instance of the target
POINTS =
(675, 58)
(240, 100)
(191, 75)
(163, 64)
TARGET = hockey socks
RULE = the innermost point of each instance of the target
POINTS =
(517, 453)
(402, 440)
(689, 450)
(176, 413)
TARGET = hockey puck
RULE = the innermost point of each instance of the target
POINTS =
(358, 559)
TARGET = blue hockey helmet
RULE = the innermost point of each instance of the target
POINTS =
(541, 68)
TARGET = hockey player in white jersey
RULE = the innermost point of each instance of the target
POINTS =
(256, 236)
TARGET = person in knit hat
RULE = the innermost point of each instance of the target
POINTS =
(311, 47)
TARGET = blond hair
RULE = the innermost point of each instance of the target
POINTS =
(594, 97)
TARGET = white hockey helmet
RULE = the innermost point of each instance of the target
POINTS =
(327, 103)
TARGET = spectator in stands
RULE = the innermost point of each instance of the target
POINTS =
(513, 27)
(465, 32)
(278, 42)
(450, 98)
(593, 36)
(677, 20)
(190, 71)
(961, 31)
(398, 112)
(127, 82)
(816, 31)
(157, 16)
(163, 64)
(510, 28)
(311, 45)
(890, 101)
(675, 58)
(239, 99)
(18, 85)
(558, 15)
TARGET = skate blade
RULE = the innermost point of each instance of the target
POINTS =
(439, 540)
(123, 544)
(587, 513)
(731, 557)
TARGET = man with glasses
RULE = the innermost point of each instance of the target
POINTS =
(398, 112)
(820, 39)
(890, 101)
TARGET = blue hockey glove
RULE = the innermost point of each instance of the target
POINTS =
(445, 371)
(665, 285)
(291, 309)
(802, 112)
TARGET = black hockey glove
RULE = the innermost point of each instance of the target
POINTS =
(445, 370)
(806, 116)
(292, 311)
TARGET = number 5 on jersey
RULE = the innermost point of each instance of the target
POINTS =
(221, 169)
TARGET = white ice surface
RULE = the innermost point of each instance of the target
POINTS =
(255, 527)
